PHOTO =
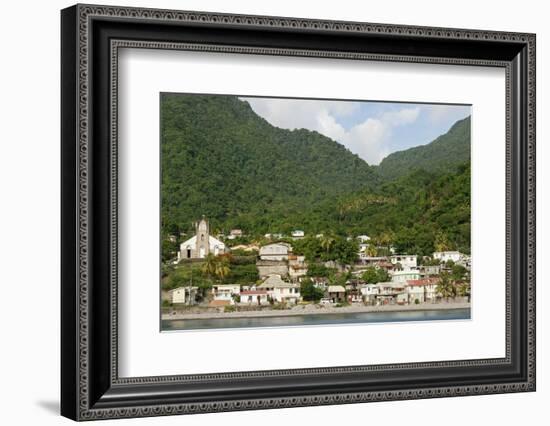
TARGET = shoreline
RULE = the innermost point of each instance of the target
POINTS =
(308, 310)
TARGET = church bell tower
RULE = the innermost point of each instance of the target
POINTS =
(203, 237)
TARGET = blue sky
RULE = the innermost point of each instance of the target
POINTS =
(369, 129)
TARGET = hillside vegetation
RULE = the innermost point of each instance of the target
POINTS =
(444, 154)
(221, 160)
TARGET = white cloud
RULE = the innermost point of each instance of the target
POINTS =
(438, 114)
(369, 138)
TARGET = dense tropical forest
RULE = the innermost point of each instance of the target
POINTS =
(221, 160)
(444, 154)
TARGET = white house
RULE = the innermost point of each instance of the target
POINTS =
(280, 290)
(235, 233)
(253, 297)
(363, 238)
(407, 261)
(184, 294)
(363, 251)
(275, 251)
(199, 246)
(369, 292)
(225, 292)
(404, 276)
(444, 256)
(297, 233)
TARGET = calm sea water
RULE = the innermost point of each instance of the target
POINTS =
(316, 319)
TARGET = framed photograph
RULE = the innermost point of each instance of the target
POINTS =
(263, 212)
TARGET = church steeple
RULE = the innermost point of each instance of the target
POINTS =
(203, 237)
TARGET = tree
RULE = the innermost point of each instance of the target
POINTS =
(445, 288)
(318, 270)
(385, 239)
(458, 272)
(169, 249)
(441, 242)
(371, 250)
(309, 292)
(327, 242)
(345, 251)
(221, 268)
(209, 266)
(337, 279)
(374, 275)
(383, 275)
(463, 290)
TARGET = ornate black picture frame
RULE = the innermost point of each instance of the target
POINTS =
(91, 36)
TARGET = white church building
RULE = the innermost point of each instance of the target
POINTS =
(199, 246)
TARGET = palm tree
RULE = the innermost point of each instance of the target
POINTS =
(327, 242)
(209, 266)
(371, 250)
(386, 239)
(463, 290)
(222, 268)
(445, 287)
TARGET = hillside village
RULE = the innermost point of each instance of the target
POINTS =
(236, 273)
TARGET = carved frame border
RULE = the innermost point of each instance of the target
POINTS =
(85, 13)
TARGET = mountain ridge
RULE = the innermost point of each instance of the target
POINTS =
(221, 160)
(444, 153)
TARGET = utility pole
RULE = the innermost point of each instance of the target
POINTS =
(190, 286)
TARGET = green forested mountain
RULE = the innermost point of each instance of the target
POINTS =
(418, 213)
(221, 160)
(442, 155)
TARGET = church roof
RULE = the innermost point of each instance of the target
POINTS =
(211, 242)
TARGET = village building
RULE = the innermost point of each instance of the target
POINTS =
(403, 276)
(225, 292)
(363, 251)
(390, 293)
(363, 238)
(320, 282)
(353, 291)
(406, 261)
(202, 244)
(275, 251)
(253, 297)
(235, 233)
(423, 290)
(336, 293)
(271, 267)
(429, 270)
(369, 292)
(445, 256)
(297, 234)
(183, 295)
(297, 267)
(281, 291)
